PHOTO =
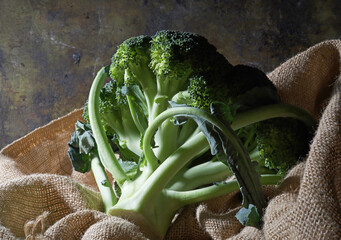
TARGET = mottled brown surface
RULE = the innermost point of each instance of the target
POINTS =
(50, 50)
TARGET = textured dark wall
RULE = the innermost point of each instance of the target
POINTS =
(50, 50)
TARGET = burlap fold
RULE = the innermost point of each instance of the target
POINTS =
(41, 197)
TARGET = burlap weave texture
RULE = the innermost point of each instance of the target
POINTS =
(41, 197)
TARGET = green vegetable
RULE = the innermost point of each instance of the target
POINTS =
(183, 120)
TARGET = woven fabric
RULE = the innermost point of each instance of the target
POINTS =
(41, 197)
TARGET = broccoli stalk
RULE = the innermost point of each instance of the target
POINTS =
(106, 153)
(108, 196)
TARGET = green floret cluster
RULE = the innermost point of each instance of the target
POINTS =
(281, 144)
(183, 120)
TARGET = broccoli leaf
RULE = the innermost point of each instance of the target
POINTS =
(249, 216)
(239, 161)
(80, 162)
(129, 167)
(86, 142)
(81, 145)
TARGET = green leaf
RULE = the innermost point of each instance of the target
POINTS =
(86, 142)
(249, 216)
(239, 161)
(80, 162)
(129, 167)
(81, 146)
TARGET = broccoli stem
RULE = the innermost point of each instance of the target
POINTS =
(168, 169)
(135, 115)
(105, 151)
(272, 111)
(184, 198)
(146, 79)
(199, 175)
(249, 140)
(124, 127)
(108, 196)
(148, 151)
(188, 129)
(254, 155)
(165, 147)
(270, 179)
(198, 195)
(160, 104)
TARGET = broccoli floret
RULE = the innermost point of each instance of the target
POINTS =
(130, 62)
(130, 66)
(200, 95)
(281, 144)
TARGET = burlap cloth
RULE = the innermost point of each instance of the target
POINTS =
(41, 197)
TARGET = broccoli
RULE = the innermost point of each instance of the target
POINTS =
(183, 120)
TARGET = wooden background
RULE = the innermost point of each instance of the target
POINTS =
(51, 50)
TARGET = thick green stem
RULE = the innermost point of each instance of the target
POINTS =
(160, 104)
(168, 169)
(187, 130)
(254, 155)
(127, 132)
(272, 111)
(198, 195)
(103, 183)
(202, 174)
(146, 79)
(106, 153)
(184, 198)
(135, 116)
(165, 147)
